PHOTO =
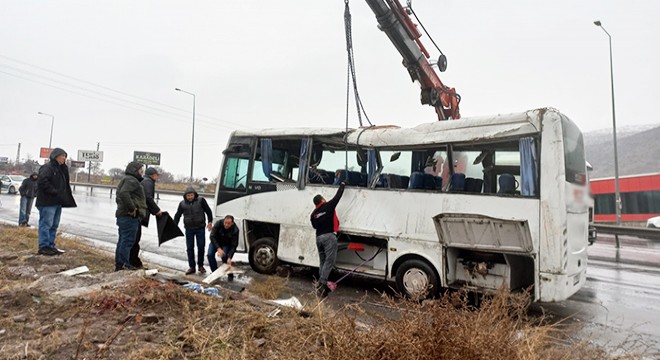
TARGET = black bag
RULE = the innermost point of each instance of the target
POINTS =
(167, 229)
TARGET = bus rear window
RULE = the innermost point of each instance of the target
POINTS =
(574, 160)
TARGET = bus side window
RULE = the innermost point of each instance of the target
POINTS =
(235, 174)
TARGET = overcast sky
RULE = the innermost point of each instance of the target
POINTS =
(107, 69)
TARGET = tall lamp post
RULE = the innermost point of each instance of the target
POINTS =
(192, 149)
(52, 122)
(617, 194)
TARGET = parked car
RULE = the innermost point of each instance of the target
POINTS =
(653, 223)
(11, 183)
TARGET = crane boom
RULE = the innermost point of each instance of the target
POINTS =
(401, 30)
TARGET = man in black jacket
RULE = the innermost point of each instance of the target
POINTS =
(224, 241)
(53, 194)
(28, 191)
(149, 186)
(324, 220)
(193, 209)
(131, 209)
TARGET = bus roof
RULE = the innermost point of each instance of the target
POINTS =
(495, 127)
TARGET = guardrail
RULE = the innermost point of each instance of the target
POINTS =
(647, 233)
(113, 189)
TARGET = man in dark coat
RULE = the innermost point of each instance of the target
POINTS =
(193, 209)
(28, 191)
(131, 209)
(149, 186)
(53, 194)
(224, 241)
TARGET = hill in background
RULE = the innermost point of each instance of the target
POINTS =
(638, 148)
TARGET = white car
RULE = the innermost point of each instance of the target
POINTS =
(11, 183)
(653, 222)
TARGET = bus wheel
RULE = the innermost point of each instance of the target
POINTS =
(263, 256)
(416, 279)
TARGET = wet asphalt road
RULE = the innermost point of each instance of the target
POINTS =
(620, 301)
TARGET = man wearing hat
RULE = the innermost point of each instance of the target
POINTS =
(149, 186)
(53, 194)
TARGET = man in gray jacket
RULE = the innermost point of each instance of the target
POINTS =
(149, 186)
(193, 208)
(131, 209)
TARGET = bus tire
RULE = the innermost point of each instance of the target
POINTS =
(415, 279)
(263, 255)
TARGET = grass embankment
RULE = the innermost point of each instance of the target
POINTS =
(147, 319)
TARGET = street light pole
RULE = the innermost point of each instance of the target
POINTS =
(617, 194)
(192, 149)
(52, 122)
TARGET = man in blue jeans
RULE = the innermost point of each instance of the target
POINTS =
(193, 209)
(131, 209)
(28, 191)
(53, 193)
(224, 241)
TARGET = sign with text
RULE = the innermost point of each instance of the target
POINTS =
(44, 153)
(147, 158)
(4, 160)
(90, 155)
(77, 164)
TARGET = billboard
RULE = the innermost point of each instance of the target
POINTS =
(77, 164)
(90, 155)
(147, 158)
(44, 153)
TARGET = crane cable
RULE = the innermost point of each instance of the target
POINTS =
(350, 75)
(351, 69)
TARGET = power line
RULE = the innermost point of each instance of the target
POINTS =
(111, 102)
(115, 91)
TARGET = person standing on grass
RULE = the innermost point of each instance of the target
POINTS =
(224, 241)
(149, 186)
(28, 191)
(324, 220)
(53, 194)
(131, 209)
(193, 209)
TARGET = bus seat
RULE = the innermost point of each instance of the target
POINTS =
(405, 180)
(392, 181)
(416, 180)
(352, 178)
(321, 177)
(457, 182)
(473, 185)
(327, 176)
(432, 182)
(507, 184)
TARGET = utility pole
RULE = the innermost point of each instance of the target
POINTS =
(89, 173)
(18, 154)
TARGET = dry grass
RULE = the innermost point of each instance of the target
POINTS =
(448, 328)
(25, 241)
(112, 323)
(268, 288)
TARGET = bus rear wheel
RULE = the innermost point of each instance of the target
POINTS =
(415, 279)
(263, 256)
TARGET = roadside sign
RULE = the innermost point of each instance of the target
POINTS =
(147, 158)
(90, 155)
(77, 164)
(4, 160)
(44, 153)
